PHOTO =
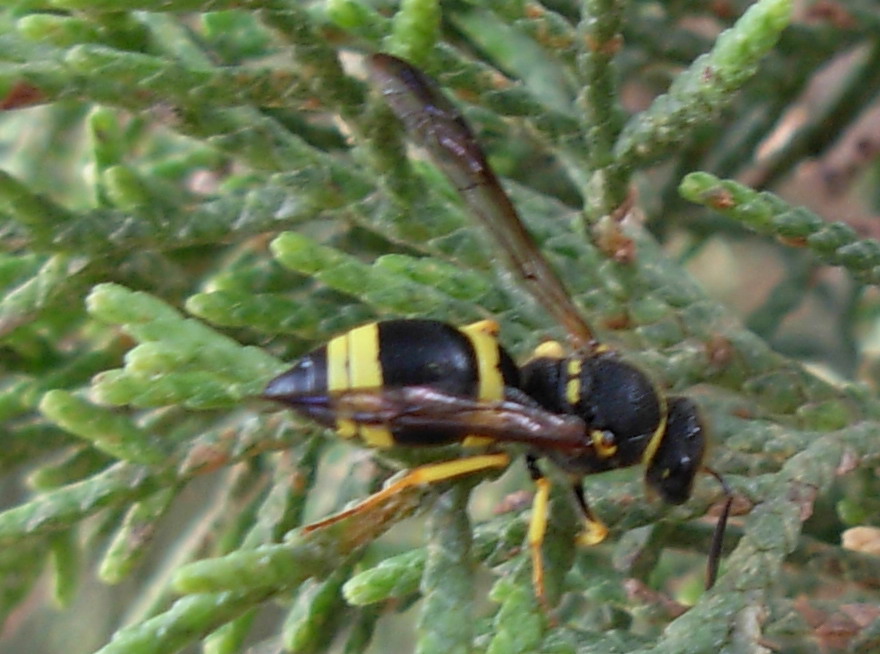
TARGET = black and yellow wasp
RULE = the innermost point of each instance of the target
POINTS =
(423, 382)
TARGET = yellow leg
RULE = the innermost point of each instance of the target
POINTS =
(426, 474)
(537, 530)
(594, 533)
(595, 530)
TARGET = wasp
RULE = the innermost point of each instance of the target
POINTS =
(414, 382)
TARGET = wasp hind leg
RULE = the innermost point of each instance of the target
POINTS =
(595, 530)
(538, 529)
(421, 476)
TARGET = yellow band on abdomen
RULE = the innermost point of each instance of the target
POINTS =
(353, 364)
(483, 338)
(364, 367)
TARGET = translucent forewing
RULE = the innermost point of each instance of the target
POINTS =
(435, 124)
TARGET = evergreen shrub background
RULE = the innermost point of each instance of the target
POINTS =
(194, 192)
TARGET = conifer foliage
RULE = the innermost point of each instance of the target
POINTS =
(195, 192)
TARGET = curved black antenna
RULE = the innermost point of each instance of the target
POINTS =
(435, 124)
(718, 535)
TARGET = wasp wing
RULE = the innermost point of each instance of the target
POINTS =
(435, 124)
(426, 408)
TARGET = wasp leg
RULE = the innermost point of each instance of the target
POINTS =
(538, 528)
(426, 474)
(595, 530)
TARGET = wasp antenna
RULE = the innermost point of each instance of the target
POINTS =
(720, 527)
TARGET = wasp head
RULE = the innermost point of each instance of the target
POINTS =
(679, 455)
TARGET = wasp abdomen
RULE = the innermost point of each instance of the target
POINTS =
(357, 369)
(307, 377)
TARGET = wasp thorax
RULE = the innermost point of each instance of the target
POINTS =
(619, 403)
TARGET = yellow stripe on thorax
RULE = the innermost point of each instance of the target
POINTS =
(573, 383)
(549, 350)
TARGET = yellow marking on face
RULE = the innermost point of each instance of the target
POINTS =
(604, 443)
(491, 383)
(573, 385)
(600, 348)
(549, 350)
(657, 436)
